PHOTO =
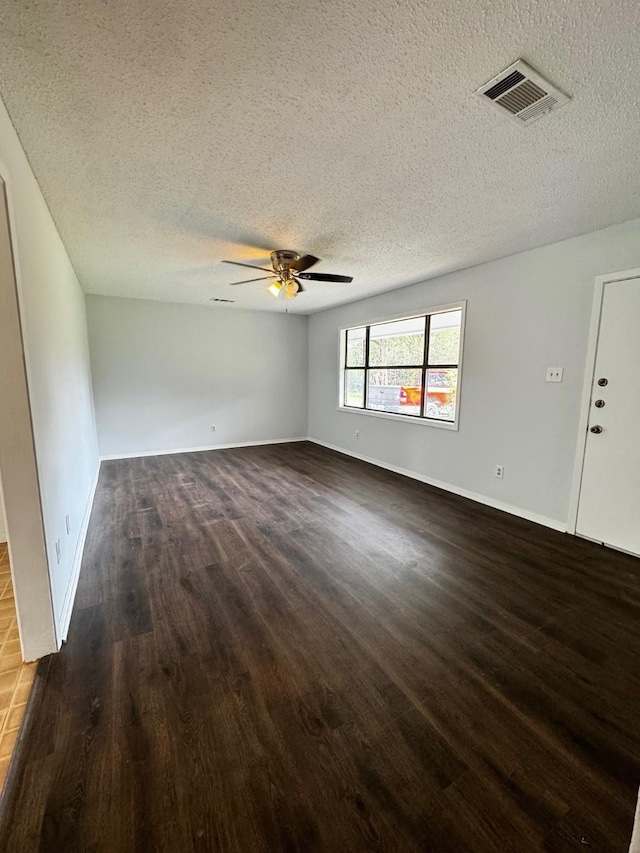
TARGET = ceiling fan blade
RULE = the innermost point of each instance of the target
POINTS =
(248, 280)
(304, 263)
(251, 266)
(321, 276)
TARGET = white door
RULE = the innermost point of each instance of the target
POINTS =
(609, 507)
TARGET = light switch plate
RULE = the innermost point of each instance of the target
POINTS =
(554, 374)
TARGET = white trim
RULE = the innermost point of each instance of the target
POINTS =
(553, 523)
(460, 305)
(140, 454)
(38, 636)
(407, 419)
(420, 312)
(635, 838)
(72, 586)
(606, 545)
(590, 366)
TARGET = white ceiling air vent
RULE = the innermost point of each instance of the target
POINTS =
(521, 94)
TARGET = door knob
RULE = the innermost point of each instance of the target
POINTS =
(597, 429)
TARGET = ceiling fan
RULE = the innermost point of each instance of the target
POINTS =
(288, 268)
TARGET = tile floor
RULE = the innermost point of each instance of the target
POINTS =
(16, 677)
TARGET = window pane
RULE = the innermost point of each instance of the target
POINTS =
(354, 388)
(441, 394)
(444, 337)
(398, 391)
(355, 347)
(400, 342)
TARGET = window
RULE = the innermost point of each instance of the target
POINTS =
(408, 367)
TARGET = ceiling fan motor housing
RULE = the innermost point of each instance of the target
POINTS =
(283, 258)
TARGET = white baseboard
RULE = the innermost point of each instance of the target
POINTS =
(635, 838)
(553, 523)
(72, 586)
(140, 454)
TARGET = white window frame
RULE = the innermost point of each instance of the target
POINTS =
(412, 419)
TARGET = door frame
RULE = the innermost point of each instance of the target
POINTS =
(20, 477)
(585, 405)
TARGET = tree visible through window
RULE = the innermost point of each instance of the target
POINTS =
(406, 367)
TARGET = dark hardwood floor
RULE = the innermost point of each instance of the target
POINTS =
(283, 649)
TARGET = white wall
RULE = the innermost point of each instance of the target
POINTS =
(524, 313)
(57, 360)
(163, 373)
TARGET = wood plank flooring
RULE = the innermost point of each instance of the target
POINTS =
(16, 676)
(283, 649)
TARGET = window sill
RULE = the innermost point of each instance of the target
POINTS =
(407, 419)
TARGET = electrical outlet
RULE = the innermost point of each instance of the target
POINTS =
(554, 374)
(58, 551)
(357, 433)
(67, 523)
(213, 429)
(500, 471)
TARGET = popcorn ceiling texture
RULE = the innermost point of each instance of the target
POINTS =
(168, 136)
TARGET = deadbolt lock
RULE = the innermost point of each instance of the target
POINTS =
(599, 404)
(602, 382)
(597, 429)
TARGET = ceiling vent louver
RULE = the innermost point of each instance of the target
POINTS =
(218, 299)
(521, 94)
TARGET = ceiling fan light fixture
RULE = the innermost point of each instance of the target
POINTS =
(291, 287)
(289, 269)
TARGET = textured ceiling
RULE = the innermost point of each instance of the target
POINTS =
(169, 135)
